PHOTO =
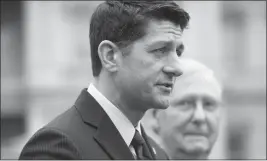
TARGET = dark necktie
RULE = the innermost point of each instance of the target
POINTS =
(140, 147)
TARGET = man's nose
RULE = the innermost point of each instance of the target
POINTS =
(173, 67)
(199, 113)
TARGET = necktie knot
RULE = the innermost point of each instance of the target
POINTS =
(140, 147)
(137, 139)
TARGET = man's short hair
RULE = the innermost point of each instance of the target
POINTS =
(124, 22)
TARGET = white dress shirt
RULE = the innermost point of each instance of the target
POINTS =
(121, 122)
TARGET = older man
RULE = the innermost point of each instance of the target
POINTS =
(188, 129)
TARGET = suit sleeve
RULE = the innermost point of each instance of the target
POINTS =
(49, 144)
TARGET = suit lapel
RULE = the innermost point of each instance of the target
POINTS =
(109, 137)
(106, 134)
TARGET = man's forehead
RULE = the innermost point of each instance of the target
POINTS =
(175, 30)
(155, 28)
(197, 77)
(203, 91)
(163, 39)
(164, 36)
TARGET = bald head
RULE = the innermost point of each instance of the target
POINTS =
(195, 75)
(188, 128)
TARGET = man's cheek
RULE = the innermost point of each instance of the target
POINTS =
(168, 130)
(213, 123)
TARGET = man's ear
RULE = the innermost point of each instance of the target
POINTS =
(108, 54)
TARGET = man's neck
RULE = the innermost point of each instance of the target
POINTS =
(109, 90)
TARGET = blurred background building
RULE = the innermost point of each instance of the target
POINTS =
(45, 62)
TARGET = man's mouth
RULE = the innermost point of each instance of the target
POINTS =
(197, 134)
(167, 86)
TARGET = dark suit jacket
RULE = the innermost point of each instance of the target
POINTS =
(83, 132)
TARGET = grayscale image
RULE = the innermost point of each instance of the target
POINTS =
(133, 80)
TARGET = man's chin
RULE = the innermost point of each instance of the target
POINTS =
(197, 149)
(191, 152)
(162, 103)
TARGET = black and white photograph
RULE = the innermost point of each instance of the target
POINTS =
(133, 80)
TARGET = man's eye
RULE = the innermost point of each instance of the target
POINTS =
(210, 105)
(186, 104)
(163, 49)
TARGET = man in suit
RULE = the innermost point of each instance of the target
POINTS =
(189, 128)
(135, 50)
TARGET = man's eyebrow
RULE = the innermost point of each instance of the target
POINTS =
(218, 100)
(157, 42)
(194, 96)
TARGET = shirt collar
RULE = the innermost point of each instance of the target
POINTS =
(122, 123)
